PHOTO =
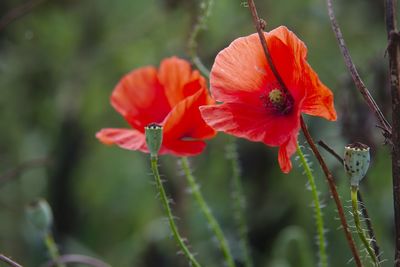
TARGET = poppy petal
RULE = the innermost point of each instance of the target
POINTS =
(286, 150)
(185, 119)
(239, 72)
(179, 80)
(183, 148)
(140, 98)
(125, 138)
(250, 122)
(319, 98)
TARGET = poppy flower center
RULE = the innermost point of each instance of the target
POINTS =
(278, 101)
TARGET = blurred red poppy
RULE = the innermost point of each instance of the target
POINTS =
(255, 105)
(169, 96)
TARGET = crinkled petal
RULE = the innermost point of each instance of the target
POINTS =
(184, 126)
(286, 150)
(241, 72)
(319, 98)
(252, 123)
(179, 80)
(140, 98)
(125, 138)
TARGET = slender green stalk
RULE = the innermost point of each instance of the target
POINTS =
(239, 202)
(52, 248)
(360, 231)
(317, 209)
(215, 227)
(172, 225)
(205, 12)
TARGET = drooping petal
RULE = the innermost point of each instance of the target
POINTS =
(184, 148)
(179, 80)
(286, 150)
(184, 125)
(250, 122)
(319, 98)
(125, 138)
(140, 98)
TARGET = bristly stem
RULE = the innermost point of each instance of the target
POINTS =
(52, 249)
(363, 207)
(205, 209)
(167, 208)
(239, 201)
(393, 50)
(360, 231)
(9, 261)
(334, 193)
(355, 76)
(205, 12)
(323, 260)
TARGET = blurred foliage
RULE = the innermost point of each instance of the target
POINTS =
(58, 66)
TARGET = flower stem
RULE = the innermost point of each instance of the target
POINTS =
(215, 227)
(360, 231)
(52, 248)
(172, 225)
(334, 193)
(205, 12)
(317, 209)
(9, 261)
(239, 202)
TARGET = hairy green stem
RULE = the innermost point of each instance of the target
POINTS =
(205, 12)
(205, 209)
(360, 231)
(239, 202)
(317, 209)
(52, 249)
(172, 225)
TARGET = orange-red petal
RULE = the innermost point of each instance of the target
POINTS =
(286, 150)
(140, 98)
(179, 80)
(319, 98)
(184, 124)
(250, 122)
(125, 138)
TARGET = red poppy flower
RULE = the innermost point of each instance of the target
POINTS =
(255, 106)
(169, 96)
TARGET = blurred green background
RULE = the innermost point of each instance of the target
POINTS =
(58, 66)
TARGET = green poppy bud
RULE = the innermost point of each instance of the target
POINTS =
(39, 214)
(356, 162)
(154, 136)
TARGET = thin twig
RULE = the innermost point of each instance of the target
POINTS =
(9, 261)
(334, 193)
(363, 208)
(260, 26)
(75, 258)
(355, 76)
(27, 165)
(18, 12)
(394, 70)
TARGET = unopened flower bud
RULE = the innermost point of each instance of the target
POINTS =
(39, 214)
(154, 136)
(356, 162)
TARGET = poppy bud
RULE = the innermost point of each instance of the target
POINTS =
(154, 136)
(40, 215)
(356, 162)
